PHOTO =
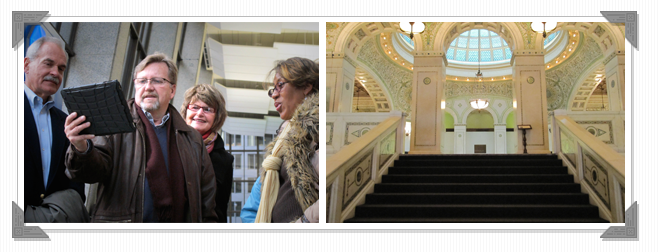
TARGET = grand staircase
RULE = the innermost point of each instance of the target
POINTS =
(477, 188)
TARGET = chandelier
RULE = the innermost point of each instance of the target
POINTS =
(543, 27)
(410, 27)
(479, 103)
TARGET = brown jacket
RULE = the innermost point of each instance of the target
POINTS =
(117, 162)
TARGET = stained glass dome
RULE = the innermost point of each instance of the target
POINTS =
(466, 47)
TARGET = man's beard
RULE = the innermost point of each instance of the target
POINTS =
(150, 106)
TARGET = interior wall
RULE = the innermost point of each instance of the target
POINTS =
(475, 138)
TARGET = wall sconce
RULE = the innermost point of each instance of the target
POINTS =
(442, 105)
(407, 128)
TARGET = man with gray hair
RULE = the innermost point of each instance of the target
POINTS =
(161, 172)
(49, 195)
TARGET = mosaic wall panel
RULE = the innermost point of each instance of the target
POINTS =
(356, 178)
(355, 130)
(561, 79)
(397, 80)
(429, 37)
(568, 147)
(332, 30)
(360, 34)
(529, 36)
(498, 88)
(600, 129)
(329, 129)
(387, 149)
(597, 178)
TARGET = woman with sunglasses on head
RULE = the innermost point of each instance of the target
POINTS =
(289, 175)
(204, 110)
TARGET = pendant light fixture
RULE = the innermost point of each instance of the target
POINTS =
(412, 27)
(479, 103)
(543, 27)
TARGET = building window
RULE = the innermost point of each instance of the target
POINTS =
(251, 141)
(251, 184)
(268, 138)
(234, 209)
(253, 161)
(136, 51)
(236, 186)
(237, 140)
(260, 142)
(238, 161)
(224, 135)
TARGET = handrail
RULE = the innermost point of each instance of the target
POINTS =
(345, 154)
(353, 171)
(598, 168)
(601, 149)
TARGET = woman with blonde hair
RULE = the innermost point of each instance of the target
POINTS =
(290, 174)
(203, 109)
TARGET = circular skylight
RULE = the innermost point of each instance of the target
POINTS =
(467, 47)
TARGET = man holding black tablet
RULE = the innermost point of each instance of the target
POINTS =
(161, 172)
(49, 195)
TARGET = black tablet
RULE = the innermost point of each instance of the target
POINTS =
(103, 105)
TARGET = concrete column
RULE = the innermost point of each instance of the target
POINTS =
(340, 75)
(460, 138)
(500, 138)
(427, 95)
(191, 61)
(616, 80)
(95, 45)
(530, 87)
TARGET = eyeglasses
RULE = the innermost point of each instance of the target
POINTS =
(139, 82)
(195, 108)
(278, 88)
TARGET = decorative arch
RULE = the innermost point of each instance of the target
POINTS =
(607, 35)
(467, 113)
(377, 90)
(452, 113)
(354, 35)
(585, 82)
(506, 114)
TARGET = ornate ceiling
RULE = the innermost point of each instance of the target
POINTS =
(573, 60)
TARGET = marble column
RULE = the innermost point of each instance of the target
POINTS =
(530, 88)
(340, 75)
(427, 94)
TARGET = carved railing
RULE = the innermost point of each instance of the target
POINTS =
(352, 172)
(344, 128)
(598, 168)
